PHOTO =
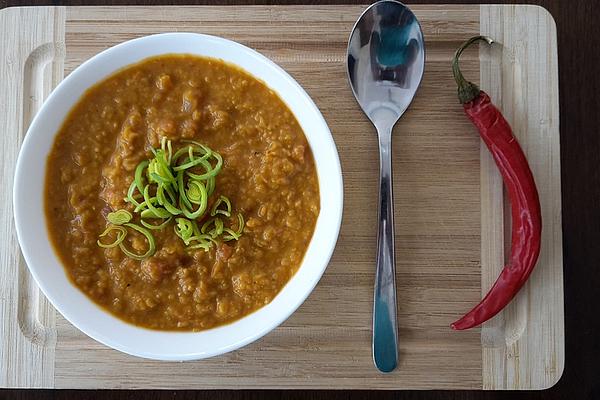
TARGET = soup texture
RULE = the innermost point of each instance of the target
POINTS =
(268, 174)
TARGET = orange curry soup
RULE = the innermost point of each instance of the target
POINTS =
(268, 174)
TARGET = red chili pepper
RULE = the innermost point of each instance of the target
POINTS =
(523, 194)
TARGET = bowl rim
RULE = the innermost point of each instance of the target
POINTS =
(333, 212)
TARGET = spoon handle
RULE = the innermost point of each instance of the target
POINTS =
(385, 328)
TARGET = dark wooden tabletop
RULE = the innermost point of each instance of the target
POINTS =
(579, 73)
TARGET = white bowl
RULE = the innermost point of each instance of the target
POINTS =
(47, 269)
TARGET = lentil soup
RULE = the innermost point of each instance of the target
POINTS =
(268, 176)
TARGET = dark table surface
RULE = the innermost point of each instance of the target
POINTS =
(579, 74)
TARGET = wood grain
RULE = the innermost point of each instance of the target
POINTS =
(32, 67)
(439, 213)
(520, 346)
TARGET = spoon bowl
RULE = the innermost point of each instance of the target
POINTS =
(386, 59)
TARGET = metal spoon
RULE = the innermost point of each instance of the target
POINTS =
(386, 57)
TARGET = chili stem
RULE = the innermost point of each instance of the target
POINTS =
(467, 91)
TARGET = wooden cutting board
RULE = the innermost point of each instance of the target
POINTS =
(449, 206)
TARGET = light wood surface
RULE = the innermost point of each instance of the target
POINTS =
(449, 219)
(524, 346)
